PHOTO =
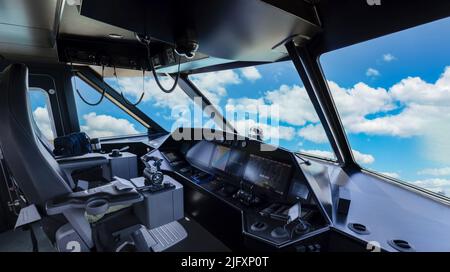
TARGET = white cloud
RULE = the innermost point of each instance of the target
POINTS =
(290, 104)
(213, 84)
(437, 185)
(391, 174)
(132, 86)
(293, 104)
(43, 122)
(411, 107)
(389, 57)
(106, 126)
(371, 72)
(363, 158)
(444, 171)
(359, 157)
(319, 153)
(360, 100)
(313, 133)
(251, 73)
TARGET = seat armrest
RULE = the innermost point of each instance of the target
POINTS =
(97, 200)
(80, 162)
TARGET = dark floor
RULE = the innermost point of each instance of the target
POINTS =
(198, 240)
(19, 241)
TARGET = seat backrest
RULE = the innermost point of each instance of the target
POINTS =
(35, 170)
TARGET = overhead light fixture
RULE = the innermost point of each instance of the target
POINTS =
(115, 36)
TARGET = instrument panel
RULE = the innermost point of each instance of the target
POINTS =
(243, 175)
(269, 174)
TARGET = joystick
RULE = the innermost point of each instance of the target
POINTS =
(153, 175)
(118, 152)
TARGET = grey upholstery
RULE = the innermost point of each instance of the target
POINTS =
(35, 170)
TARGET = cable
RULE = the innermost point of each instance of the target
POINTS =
(147, 43)
(78, 92)
(121, 93)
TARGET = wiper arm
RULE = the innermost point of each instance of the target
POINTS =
(305, 161)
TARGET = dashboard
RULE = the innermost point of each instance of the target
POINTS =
(214, 171)
(240, 162)
(268, 189)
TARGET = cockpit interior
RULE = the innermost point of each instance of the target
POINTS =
(115, 132)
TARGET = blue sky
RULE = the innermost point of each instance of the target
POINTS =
(420, 52)
(392, 93)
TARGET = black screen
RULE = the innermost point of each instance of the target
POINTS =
(220, 157)
(267, 173)
(236, 163)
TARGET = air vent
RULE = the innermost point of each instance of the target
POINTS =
(401, 245)
(358, 228)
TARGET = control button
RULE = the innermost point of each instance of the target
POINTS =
(279, 233)
(301, 228)
(258, 226)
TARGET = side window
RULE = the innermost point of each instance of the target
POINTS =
(40, 107)
(105, 119)
(393, 96)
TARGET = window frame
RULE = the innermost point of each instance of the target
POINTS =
(49, 110)
(293, 54)
(398, 182)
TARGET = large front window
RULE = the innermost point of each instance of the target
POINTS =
(393, 96)
(267, 101)
(169, 110)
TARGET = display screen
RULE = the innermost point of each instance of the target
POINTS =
(220, 157)
(236, 163)
(267, 173)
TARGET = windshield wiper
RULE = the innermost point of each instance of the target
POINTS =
(305, 161)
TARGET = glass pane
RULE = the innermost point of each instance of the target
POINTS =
(270, 101)
(169, 110)
(393, 96)
(40, 107)
(105, 119)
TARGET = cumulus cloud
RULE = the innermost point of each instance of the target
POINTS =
(106, 126)
(290, 104)
(363, 158)
(391, 174)
(359, 157)
(444, 171)
(313, 133)
(213, 84)
(251, 73)
(371, 72)
(388, 57)
(437, 185)
(43, 122)
(319, 153)
(411, 107)
(132, 87)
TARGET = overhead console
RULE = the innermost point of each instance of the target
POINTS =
(185, 26)
(268, 188)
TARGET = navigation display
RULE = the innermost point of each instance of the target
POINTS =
(220, 157)
(267, 173)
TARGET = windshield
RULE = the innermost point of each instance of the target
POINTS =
(169, 110)
(393, 96)
(267, 102)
